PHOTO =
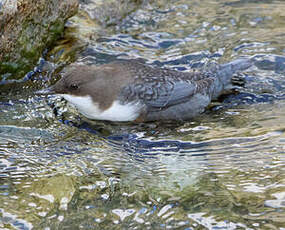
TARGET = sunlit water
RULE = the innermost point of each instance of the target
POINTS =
(222, 170)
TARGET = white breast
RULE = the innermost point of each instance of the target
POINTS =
(116, 112)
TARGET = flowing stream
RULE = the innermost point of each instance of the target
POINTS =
(222, 170)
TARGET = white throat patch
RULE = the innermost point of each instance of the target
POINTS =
(116, 112)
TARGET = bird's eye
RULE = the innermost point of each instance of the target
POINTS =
(73, 86)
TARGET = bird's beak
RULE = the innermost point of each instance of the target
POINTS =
(46, 91)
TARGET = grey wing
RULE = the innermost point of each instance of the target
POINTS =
(161, 94)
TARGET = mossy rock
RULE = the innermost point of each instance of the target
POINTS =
(27, 28)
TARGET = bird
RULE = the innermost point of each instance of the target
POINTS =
(131, 91)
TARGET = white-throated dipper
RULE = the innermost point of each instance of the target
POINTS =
(132, 91)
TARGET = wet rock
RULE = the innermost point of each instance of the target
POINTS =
(27, 27)
(110, 12)
(95, 19)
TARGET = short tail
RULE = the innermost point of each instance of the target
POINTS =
(226, 71)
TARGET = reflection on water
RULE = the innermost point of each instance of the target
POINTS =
(222, 170)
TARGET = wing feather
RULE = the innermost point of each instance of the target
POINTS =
(160, 95)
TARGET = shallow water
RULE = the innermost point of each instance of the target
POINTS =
(222, 170)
